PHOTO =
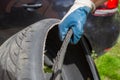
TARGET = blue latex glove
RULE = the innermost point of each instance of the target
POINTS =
(75, 20)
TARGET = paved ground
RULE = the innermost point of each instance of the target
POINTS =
(15, 21)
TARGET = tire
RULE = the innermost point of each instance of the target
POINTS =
(21, 56)
(24, 55)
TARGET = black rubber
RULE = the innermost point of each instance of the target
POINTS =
(22, 55)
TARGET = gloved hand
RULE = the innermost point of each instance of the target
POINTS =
(75, 19)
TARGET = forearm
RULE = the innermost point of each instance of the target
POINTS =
(98, 2)
(90, 3)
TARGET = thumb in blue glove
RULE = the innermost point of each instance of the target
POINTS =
(75, 20)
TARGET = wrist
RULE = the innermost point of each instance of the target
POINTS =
(88, 3)
(98, 2)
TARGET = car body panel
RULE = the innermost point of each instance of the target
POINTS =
(6, 5)
(102, 32)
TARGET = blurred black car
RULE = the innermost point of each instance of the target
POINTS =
(101, 29)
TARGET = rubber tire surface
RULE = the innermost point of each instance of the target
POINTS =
(21, 56)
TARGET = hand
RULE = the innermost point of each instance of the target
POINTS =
(75, 19)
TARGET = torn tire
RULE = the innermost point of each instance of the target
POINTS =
(22, 55)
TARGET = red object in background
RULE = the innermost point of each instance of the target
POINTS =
(109, 8)
(110, 4)
(107, 49)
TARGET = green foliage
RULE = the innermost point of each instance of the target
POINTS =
(119, 8)
(47, 69)
(109, 64)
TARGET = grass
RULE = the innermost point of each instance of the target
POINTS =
(109, 64)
